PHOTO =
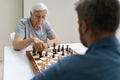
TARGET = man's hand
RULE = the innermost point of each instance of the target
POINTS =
(39, 47)
(36, 40)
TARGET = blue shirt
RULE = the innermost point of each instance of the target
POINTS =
(101, 62)
(26, 30)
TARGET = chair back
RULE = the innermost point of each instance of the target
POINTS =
(12, 35)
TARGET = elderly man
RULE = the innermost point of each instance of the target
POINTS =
(35, 29)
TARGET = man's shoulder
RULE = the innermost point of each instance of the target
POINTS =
(24, 20)
(72, 57)
(46, 23)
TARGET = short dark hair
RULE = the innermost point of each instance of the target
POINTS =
(101, 15)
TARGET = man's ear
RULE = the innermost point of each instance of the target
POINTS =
(84, 26)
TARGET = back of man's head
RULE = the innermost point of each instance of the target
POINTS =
(101, 15)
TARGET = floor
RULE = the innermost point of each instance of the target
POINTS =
(1, 70)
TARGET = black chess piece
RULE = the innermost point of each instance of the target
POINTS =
(58, 48)
(40, 54)
(62, 49)
(55, 52)
(67, 48)
(63, 53)
(54, 47)
(46, 54)
(34, 52)
(53, 55)
(70, 51)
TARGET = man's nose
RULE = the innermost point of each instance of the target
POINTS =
(40, 19)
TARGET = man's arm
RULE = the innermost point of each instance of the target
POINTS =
(19, 43)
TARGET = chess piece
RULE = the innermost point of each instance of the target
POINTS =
(46, 54)
(39, 47)
(62, 49)
(58, 48)
(62, 53)
(67, 48)
(44, 59)
(55, 51)
(54, 47)
(53, 55)
(34, 51)
(40, 54)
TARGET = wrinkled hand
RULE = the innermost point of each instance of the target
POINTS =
(36, 40)
(39, 47)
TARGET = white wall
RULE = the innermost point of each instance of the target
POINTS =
(10, 13)
(62, 16)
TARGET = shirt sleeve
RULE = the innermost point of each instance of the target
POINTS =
(20, 29)
(50, 32)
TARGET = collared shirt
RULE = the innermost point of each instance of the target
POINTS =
(25, 30)
(101, 62)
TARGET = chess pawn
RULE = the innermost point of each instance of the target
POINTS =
(52, 61)
(43, 53)
(46, 54)
(56, 57)
(43, 66)
(44, 59)
(50, 55)
(55, 51)
(40, 63)
(70, 51)
(40, 54)
(67, 48)
(47, 65)
(34, 52)
(48, 58)
(53, 56)
(63, 53)
(59, 55)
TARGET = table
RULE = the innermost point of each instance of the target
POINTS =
(17, 66)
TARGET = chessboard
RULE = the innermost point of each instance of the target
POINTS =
(42, 60)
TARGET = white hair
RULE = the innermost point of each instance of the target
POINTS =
(39, 6)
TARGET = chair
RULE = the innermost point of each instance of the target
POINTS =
(12, 35)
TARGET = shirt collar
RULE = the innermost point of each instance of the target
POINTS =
(108, 41)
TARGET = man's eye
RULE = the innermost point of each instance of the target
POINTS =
(43, 16)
